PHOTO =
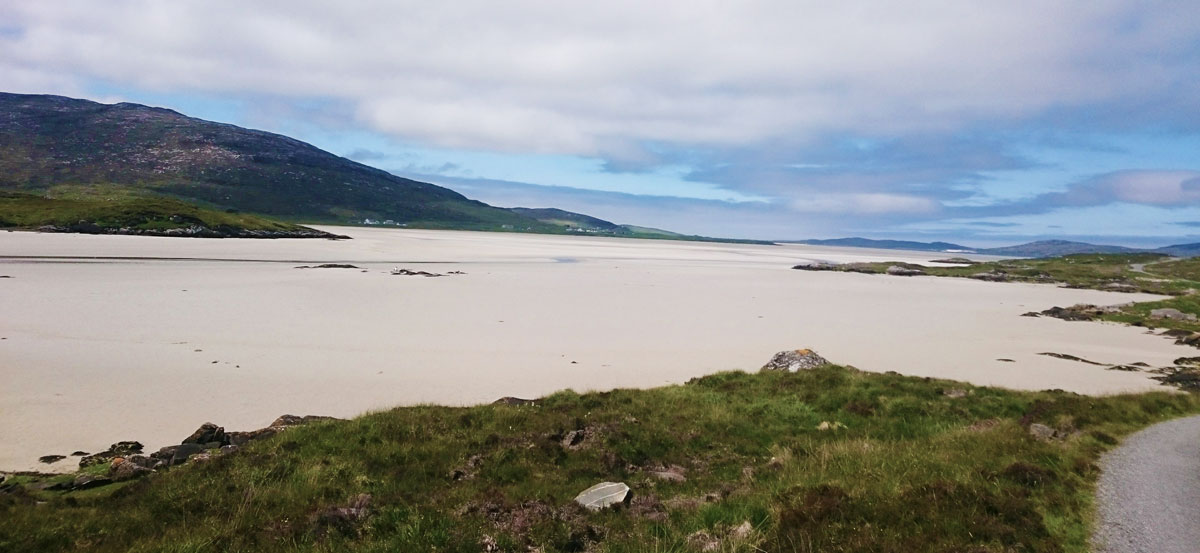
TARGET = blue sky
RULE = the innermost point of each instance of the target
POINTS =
(964, 121)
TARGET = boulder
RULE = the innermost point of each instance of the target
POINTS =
(1172, 314)
(604, 495)
(51, 458)
(514, 401)
(208, 433)
(88, 481)
(991, 276)
(296, 420)
(795, 360)
(183, 452)
(125, 469)
(1042, 432)
(897, 270)
(816, 266)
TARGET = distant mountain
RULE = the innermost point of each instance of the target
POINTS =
(1180, 250)
(857, 242)
(1055, 248)
(62, 146)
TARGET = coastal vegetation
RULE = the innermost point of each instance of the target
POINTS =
(828, 459)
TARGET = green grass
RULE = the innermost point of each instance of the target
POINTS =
(912, 470)
(115, 208)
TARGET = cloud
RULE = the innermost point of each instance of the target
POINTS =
(602, 79)
(1189, 224)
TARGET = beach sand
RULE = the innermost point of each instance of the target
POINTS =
(100, 350)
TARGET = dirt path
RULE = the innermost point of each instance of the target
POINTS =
(1148, 497)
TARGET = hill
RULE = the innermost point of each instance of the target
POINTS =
(572, 222)
(857, 242)
(48, 142)
(1055, 248)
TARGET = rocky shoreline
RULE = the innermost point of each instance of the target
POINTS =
(192, 231)
(126, 460)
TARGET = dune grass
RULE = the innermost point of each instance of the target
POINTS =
(905, 467)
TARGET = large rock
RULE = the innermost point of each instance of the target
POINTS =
(296, 420)
(1172, 314)
(208, 433)
(125, 469)
(183, 452)
(897, 270)
(604, 495)
(795, 360)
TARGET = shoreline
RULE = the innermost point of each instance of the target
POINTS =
(101, 352)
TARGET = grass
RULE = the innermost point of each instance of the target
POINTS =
(908, 469)
(123, 210)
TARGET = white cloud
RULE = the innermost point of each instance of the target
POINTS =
(865, 204)
(596, 78)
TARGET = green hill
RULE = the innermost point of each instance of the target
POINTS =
(48, 142)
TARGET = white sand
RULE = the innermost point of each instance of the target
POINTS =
(100, 351)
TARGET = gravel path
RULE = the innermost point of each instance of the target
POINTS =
(1149, 493)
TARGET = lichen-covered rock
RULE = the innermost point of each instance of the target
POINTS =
(795, 360)
(1042, 432)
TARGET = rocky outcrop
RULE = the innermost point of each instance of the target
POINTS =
(816, 266)
(119, 449)
(795, 360)
(899, 270)
(1171, 314)
(208, 433)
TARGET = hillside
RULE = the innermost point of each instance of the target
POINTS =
(1055, 248)
(829, 459)
(153, 216)
(571, 222)
(47, 142)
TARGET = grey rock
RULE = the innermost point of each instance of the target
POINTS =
(127, 470)
(119, 449)
(1042, 432)
(1172, 314)
(604, 495)
(897, 270)
(514, 401)
(795, 360)
(207, 433)
(955, 393)
(227, 449)
(51, 458)
(816, 266)
(88, 481)
(183, 452)
(991, 276)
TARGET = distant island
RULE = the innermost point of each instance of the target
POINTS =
(1041, 248)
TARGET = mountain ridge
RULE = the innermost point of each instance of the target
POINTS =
(1038, 248)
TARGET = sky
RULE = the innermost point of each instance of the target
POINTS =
(975, 122)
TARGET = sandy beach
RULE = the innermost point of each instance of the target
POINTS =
(109, 338)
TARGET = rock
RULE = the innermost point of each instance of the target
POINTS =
(208, 433)
(604, 495)
(242, 438)
(514, 401)
(897, 270)
(119, 449)
(345, 518)
(795, 360)
(991, 276)
(165, 454)
(742, 531)
(1172, 314)
(328, 266)
(79, 453)
(955, 393)
(144, 461)
(295, 420)
(183, 452)
(573, 439)
(124, 469)
(202, 457)
(227, 449)
(826, 425)
(673, 473)
(88, 481)
(488, 544)
(1079, 312)
(703, 541)
(816, 266)
(1042, 432)
(405, 272)
(1068, 357)
(51, 458)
